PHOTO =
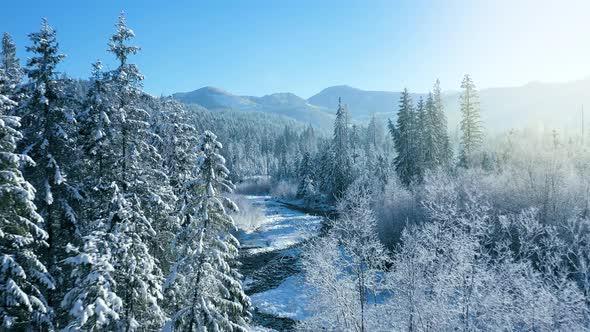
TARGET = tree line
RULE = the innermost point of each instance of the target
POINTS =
(114, 212)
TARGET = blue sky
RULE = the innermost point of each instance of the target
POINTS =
(260, 47)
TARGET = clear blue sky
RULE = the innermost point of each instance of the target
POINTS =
(260, 47)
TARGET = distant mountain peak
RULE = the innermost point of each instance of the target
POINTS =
(283, 103)
(361, 103)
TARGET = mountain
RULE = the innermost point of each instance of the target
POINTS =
(286, 104)
(361, 103)
(536, 105)
(213, 98)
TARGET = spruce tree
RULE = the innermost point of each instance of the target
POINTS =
(97, 133)
(340, 145)
(419, 140)
(306, 188)
(47, 128)
(131, 119)
(13, 75)
(141, 196)
(93, 303)
(137, 275)
(431, 145)
(404, 138)
(206, 269)
(23, 277)
(471, 130)
(444, 149)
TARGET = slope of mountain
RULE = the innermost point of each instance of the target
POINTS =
(536, 105)
(361, 103)
(541, 106)
(286, 104)
(214, 98)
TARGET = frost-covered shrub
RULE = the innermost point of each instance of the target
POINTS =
(284, 189)
(394, 209)
(249, 216)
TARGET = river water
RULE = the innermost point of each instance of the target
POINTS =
(270, 263)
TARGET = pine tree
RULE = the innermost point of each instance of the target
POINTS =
(420, 145)
(206, 270)
(23, 277)
(175, 140)
(13, 75)
(131, 119)
(143, 198)
(431, 145)
(306, 188)
(444, 149)
(374, 132)
(97, 134)
(93, 303)
(178, 140)
(404, 139)
(340, 146)
(47, 124)
(472, 132)
(137, 275)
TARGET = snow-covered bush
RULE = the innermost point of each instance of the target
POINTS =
(284, 189)
(248, 216)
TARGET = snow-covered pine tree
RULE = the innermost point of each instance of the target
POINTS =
(93, 303)
(142, 197)
(137, 274)
(445, 151)
(430, 144)
(47, 125)
(178, 141)
(96, 130)
(374, 132)
(13, 75)
(306, 188)
(131, 119)
(175, 140)
(23, 277)
(354, 138)
(404, 139)
(471, 129)
(341, 152)
(207, 251)
(325, 166)
(140, 162)
(419, 143)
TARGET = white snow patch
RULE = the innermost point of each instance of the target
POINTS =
(289, 300)
(281, 227)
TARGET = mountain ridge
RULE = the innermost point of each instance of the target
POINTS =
(538, 104)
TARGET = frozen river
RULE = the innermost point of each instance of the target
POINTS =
(270, 262)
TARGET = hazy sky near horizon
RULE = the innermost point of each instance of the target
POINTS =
(260, 47)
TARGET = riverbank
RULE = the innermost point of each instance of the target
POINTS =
(270, 261)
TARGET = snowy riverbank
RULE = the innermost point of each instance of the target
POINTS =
(270, 255)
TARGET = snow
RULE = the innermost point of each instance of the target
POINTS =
(289, 300)
(280, 229)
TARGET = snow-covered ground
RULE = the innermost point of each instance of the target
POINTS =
(287, 301)
(271, 249)
(281, 228)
